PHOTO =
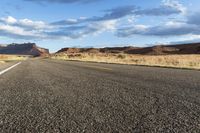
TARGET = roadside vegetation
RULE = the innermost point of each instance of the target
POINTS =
(7, 58)
(175, 61)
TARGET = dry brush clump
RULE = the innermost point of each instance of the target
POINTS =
(176, 61)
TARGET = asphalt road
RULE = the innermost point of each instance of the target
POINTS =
(3, 66)
(62, 96)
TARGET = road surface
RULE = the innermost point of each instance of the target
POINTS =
(67, 96)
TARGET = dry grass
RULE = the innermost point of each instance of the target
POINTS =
(1, 62)
(175, 61)
(4, 58)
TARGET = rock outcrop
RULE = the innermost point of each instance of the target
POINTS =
(23, 49)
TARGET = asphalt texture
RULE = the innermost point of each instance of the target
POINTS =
(3, 66)
(66, 96)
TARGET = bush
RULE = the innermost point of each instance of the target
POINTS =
(121, 56)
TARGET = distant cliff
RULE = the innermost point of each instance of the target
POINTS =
(23, 49)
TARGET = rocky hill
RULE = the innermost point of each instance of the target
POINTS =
(193, 48)
(23, 49)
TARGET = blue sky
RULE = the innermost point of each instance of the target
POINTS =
(55, 24)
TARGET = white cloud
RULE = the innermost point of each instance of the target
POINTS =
(22, 28)
(32, 24)
(75, 32)
(24, 23)
(174, 24)
(131, 19)
(9, 20)
(133, 30)
(112, 21)
(72, 20)
(107, 25)
(193, 37)
(176, 5)
(17, 32)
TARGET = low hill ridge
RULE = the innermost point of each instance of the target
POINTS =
(193, 48)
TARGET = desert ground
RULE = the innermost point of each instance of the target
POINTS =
(174, 61)
(6, 58)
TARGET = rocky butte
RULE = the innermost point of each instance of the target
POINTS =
(23, 49)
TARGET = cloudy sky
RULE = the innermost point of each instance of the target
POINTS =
(55, 24)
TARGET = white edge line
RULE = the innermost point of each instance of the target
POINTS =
(4, 71)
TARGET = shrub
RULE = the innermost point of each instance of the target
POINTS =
(121, 56)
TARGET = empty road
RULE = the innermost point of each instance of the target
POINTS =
(66, 96)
